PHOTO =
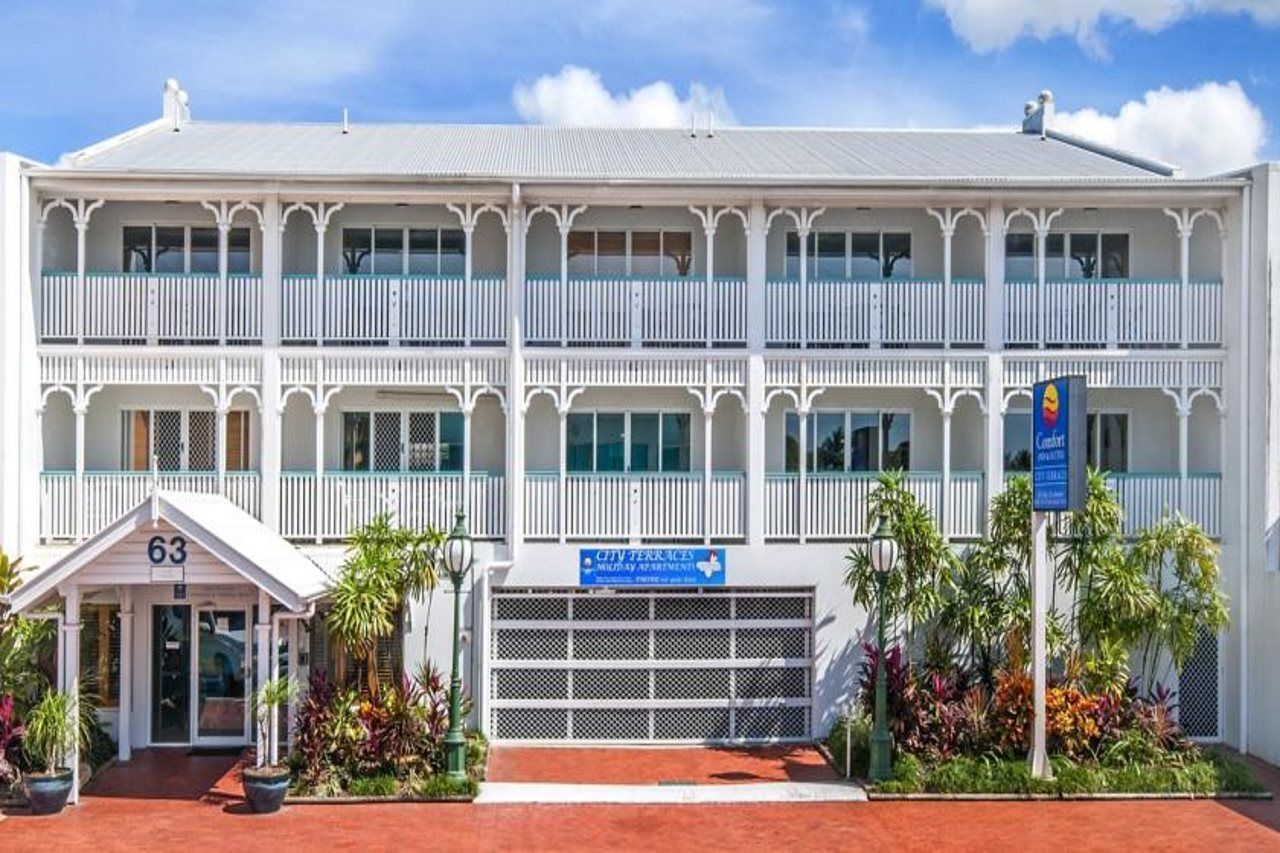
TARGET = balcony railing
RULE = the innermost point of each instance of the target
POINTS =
(1115, 313)
(110, 494)
(1147, 497)
(346, 500)
(626, 311)
(378, 309)
(150, 308)
(896, 312)
(835, 505)
(635, 507)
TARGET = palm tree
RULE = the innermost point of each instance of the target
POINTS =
(385, 565)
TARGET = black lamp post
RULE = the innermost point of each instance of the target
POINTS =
(458, 555)
(882, 550)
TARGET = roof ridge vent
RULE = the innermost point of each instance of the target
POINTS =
(1037, 115)
(176, 105)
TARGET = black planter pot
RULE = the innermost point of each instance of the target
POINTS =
(47, 793)
(265, 788)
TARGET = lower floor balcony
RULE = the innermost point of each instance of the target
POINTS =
(592, 507)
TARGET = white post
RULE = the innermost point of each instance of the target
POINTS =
(1040, 574)
(273, 724)
(564, 226)
(319, 409)
(124, 731)
(561, 502)
(265, 654)
(80, 409)
(708, 411)
(947, 527)
(802, 232)
(948, 231)
(515, 450)
(466, 460)
(220, 448)
(468, 232)
(802, 499)
(1042, 237)
(993, 273)
(82, 229)
(1184, 413)
(1184, 281)
(270, 438)
(318, 307)
(295, 632)
(71, 661)
(994, 424)
(224, 232)
(757, 332)
(708, 299)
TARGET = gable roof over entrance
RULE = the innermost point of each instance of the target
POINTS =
(230, 534)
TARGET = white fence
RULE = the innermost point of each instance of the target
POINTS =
(840, 312)
(626, 311)
(836, 505)
(347, 500)
(151, 308)
(634, 506)
(1116, 313)
(108, 495)
(394, 309)
(1149, 497)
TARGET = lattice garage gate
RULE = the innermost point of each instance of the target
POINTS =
(651, 666)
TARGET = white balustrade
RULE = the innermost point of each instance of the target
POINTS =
(348, 500)
(1147, 498)
(838, 503)
(1115, 313)
(639, 507)
(843, 312)
(110, 494)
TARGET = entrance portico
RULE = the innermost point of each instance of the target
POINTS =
(208, 602)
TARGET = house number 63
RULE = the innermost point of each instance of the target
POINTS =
(175, 550)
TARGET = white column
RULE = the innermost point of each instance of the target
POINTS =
(564, 282)
(269, 457)
(756, 450)
(946, 470)
(80, 410)
(263, 666)
(318, 307)
(272, 270)
(802, 498)
(993, 274)
(71, 679)
(515, 449)
(124, 730)
(708, 299)
(1042, 236)
(273, 725)
(948, 231)
(802, 233)
(708, 412)
(757, 278)
(295, 632)
(1041, 572)
(1184, 280)
(82, 230)
(224, 231)
(1184, 413)
(994, 425)
(319, 410)
(220, 448)
(466, 458)
(561, 496)
(468, 309)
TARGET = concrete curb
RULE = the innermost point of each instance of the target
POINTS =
(761, 792)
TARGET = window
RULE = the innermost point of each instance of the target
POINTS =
(638, 253)
(403, 251)
(182, 249)
(867, 256)
(627, 441)
(100, 652)
(181, 440)
(1019, 257)
(1074, 255)
(402, 441)
(851, 441)
(1115, 255)
(1108, 439)
(1017, 441)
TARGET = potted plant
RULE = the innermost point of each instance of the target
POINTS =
(265, 785)
(48, 738)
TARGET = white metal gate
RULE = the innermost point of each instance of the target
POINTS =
(650, 666)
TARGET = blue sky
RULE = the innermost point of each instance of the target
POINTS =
(76, 73)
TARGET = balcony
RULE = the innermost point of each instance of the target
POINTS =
(151, 308)
(389, 309)
(346, 500)
(627, 311)
(1113, 313)
(896, 312)
(635, 507)
(110, 494)
(1147, 497)
(834, 505)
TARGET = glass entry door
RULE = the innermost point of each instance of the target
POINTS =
(171, 673)
(222, 672)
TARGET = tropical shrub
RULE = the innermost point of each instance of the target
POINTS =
(51, 729)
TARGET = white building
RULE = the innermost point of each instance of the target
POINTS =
(594, 338)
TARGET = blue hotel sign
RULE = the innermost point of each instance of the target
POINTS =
(1059, 449)
(651, 567)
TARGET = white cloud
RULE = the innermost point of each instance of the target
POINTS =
(1206, 130)
(992, 24)
(577, 96)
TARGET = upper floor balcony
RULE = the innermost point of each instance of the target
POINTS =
(664, 277)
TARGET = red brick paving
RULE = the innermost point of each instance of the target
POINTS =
(649, 766)
(181, 817)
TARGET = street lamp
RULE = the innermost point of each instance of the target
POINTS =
(882, 550)
(458, 555)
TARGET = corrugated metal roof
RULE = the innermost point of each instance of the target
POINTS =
(561, 154)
